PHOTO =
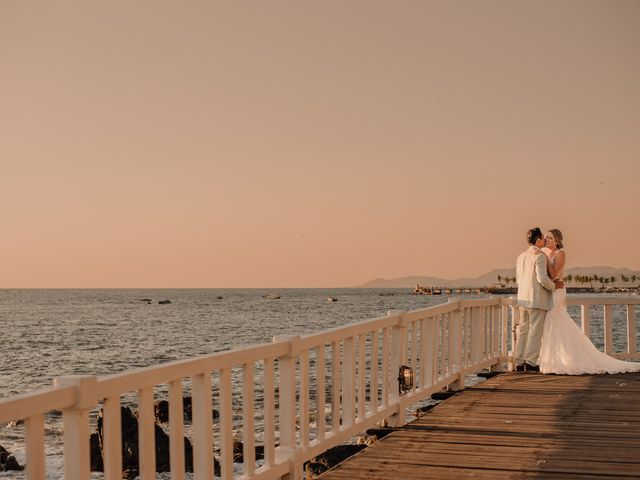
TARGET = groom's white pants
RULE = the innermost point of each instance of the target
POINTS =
(529, 335)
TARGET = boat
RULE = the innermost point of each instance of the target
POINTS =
(332, 299)
(271, 296)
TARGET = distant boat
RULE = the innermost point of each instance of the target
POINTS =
(164, 302)
(332, 299)
(271, 296)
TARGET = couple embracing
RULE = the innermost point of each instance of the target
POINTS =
(547, 338)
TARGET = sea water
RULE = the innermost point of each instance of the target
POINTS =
(49, 333)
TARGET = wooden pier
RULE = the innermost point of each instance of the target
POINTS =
(516, 425)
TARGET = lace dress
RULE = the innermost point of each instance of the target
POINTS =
(567, 350)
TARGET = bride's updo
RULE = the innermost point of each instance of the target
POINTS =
(557, 235)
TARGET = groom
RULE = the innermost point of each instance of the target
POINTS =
(534, 299)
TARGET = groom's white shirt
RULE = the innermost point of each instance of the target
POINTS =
(534, 285)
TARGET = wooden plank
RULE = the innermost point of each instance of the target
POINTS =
(516, 426)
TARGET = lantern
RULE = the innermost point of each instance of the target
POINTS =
(405, 379)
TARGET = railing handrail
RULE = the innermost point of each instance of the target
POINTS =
(446, 342)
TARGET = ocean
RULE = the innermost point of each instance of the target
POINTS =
(47, 333)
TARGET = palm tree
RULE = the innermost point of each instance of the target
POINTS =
(569, 278)
(613, 279)
(624, 278)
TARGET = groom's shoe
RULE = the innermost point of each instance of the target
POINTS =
(520, 368)
(531, 368)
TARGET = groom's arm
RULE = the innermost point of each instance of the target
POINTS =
(541, 272)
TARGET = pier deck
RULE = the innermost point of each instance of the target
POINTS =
(516, 425)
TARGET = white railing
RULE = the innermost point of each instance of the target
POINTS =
(297, 397)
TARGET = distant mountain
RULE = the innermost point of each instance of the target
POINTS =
(491, 278)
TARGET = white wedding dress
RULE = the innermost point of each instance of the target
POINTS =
(567, 350)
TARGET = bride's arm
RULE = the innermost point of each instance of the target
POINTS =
(558, 265)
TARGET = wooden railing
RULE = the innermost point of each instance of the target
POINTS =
(297, 396)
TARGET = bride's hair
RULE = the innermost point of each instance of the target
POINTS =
(557, 234)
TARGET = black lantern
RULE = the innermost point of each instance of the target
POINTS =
(405, 379)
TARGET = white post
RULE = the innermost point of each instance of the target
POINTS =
(515, 325)
(176, 430)
(348, 389)
(608, 330)
(75, 422)
(335, 386)
(398, 358)
(504, 330)
(248, 414)
(586, 315)
(202, 424)
(455, 345)
(631, 330)
(146, 434)
(320, 393)
(34, 429)
(226, 424)
(288, 446)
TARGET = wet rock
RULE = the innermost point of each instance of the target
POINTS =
(331, 458)
(161, 410)
(443, 395)
(426, 408)
(130, 466)
(8, 462)
(95, 452)
(367, 440)
(379, 432)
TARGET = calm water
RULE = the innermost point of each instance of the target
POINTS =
(47, 333)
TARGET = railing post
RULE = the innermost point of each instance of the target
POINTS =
(455, 343)
(288, 449)
(631, 330)
(608, 330)
(76, 425)
(585, 319)
(398, 358)
(515, 324)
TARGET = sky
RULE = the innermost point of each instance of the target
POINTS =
(312, 143)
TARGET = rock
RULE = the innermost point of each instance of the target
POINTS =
(238, 452)
(426, 408)
(130, 466)
(442, 395)
(161, 410)
(186, 408)
(95, 452)
(367, 440)
(164, 302)
(330, 459)
(8, 462)
(379, 432)
(15, 423)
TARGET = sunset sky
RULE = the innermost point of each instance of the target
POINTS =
(312, 144)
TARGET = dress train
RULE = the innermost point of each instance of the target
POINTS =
(567, 350)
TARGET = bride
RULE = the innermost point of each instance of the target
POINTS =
(565, 349)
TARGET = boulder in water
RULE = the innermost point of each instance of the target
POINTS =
(331, 458)
(8, 462)
(130, 465)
